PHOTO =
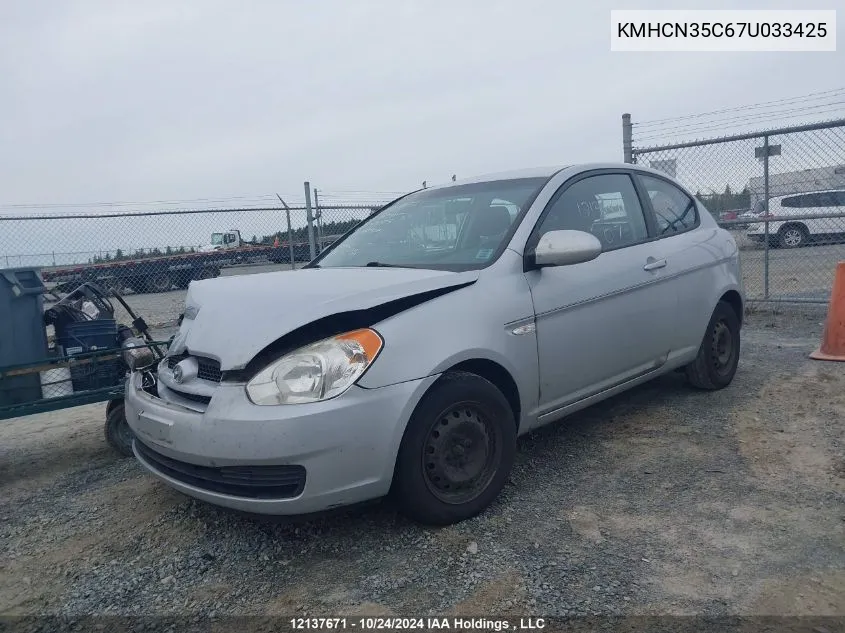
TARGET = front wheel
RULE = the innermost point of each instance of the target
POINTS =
(718, 356)
(457, 451)
(117, 431)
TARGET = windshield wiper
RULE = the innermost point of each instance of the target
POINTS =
(381, 265)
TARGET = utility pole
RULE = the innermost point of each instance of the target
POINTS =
(290, 233)
(310, 219)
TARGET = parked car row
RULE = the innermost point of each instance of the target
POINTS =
(794, 219)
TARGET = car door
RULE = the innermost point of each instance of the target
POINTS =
(606, 321)
(823, 203)
(691, 253)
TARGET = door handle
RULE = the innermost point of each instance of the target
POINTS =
(654, 264)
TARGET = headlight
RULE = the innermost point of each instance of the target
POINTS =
(137, 354)
(319, 371)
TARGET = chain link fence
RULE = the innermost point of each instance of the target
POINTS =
(781, 192)
(150, 256)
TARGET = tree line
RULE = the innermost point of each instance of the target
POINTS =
(120, 255)
(299, 235)
(725, 201)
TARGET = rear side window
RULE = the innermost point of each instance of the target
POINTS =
(674, 211)
(815, 200)
(806, 201)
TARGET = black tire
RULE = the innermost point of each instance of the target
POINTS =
(715, 366)
(158, 282)
(479, 438)
(110, 285)
(118, 434)
(183, 280)
(793, 236)
(208, 273)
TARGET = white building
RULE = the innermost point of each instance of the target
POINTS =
(798, 181)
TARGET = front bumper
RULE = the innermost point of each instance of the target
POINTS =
(344, 448)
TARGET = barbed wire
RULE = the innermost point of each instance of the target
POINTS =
(813, 96)
(737, 121)
(758, 133)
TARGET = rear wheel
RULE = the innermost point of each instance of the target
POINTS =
(111, 284)
(457, 451)
(183, 280)
(715, 366)
(792, 236)
(159, 282)
(117, 431)
(208, 273)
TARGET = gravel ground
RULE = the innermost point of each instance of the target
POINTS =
(660, 501)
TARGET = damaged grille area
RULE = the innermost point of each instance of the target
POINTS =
(208, 368)
(251, 482)
(191, 396)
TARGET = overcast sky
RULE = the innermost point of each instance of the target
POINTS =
(158, 100)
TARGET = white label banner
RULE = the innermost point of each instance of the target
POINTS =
(723, 30)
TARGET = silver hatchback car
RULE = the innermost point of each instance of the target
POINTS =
(409, 356)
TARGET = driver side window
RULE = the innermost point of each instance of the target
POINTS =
(605, 205)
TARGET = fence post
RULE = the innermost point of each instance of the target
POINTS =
(290, 233)
(318, 215)
(627, 138)
(766, 211)
(310, 219)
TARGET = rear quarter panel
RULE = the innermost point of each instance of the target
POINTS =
(708, 268)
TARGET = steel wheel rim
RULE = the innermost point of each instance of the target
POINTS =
(723, 348)
(460, 454)
(792, 237)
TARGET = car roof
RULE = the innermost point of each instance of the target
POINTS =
(803, 193)
(513, 174)
(547, 172)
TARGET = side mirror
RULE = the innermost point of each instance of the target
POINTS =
(564, 248)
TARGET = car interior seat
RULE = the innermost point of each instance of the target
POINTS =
(488, 224)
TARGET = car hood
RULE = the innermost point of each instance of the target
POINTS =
(231, 319)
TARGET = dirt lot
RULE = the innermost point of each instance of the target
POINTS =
(661, 501)
(803, 272)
